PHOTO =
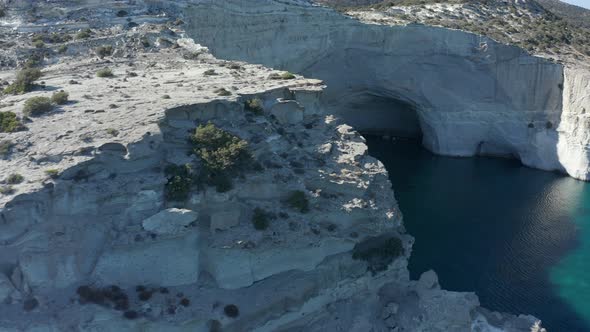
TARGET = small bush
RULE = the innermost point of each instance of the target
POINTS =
(84, 34)
(104, 50)
(62, 49)
(39, 44)
(283, 76)
(6, 190)
(166, 97)
(2, 12)
(36, 106)
(298, 201)
(222, 92)
(112, 132)
(122, 13)
(15, 179)
(9, 123)
(231, 310)
(5, 148)
(260, 219)
(60, 97)
(105, 72)
(52, 173)
(179, 183)
(224, 155)
(33, 61)
(254, 105)
(220, 150)
(24, 81)
(210, 72)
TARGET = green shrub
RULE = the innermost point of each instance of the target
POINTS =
(104, 50)
(84, 34)
(283, 76)
(220, 150)
(52, 173)
(210, 72)
(15, 178)
(179, 182)
(36, 106)
(9, 123)
(5, 147)
(33, 61)
(60, 97)
(62, 49)
(223, 154)
(39, 44)
(298, 201)
(24, 81)
(122, 13)
(222, 92)
(260, 219)
(6, 190)
(112, 132)
(105, 72)
(254, 105)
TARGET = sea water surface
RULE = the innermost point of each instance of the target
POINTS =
(518, 237)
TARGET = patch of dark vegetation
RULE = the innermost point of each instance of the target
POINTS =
(104, 296)
(104, 50)
(185, 302)
(231, 310)
(84, 34)
(378, 252)
(9, 123)
(30, 304)
(282, 76)
(122, 13)
(130, 314)
(254, 105)
(261, 219)
(6, 190)
(5, 148)
(15, 178)
(37, 106)
(60, 97)
(297, 200)
(222, 92)
(223, 154)
(180, 180)
(105, 72)
(24, 81)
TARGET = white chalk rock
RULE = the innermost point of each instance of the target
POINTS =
(170, 262)
(287, 111)
(223, 220)
(170, 221)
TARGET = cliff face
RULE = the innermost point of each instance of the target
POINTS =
(472, 94)
(309, 238)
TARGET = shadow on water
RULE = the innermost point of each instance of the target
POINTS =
(518, 237)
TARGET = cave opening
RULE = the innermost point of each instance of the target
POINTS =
(377, 115)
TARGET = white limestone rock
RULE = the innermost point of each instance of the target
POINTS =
(223, 220)
(168, 262)
(287, 111)
(170, 222)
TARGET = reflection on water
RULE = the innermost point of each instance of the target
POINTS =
(518, 237)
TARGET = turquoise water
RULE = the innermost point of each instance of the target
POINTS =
(518, 237)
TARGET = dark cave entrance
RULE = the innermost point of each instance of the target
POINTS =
(373, 114)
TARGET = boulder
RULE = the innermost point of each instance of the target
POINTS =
(170, 221)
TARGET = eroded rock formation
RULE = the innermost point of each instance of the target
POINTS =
(310, 239)
(472, 95)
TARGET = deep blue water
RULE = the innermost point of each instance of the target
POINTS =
(518, 237)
